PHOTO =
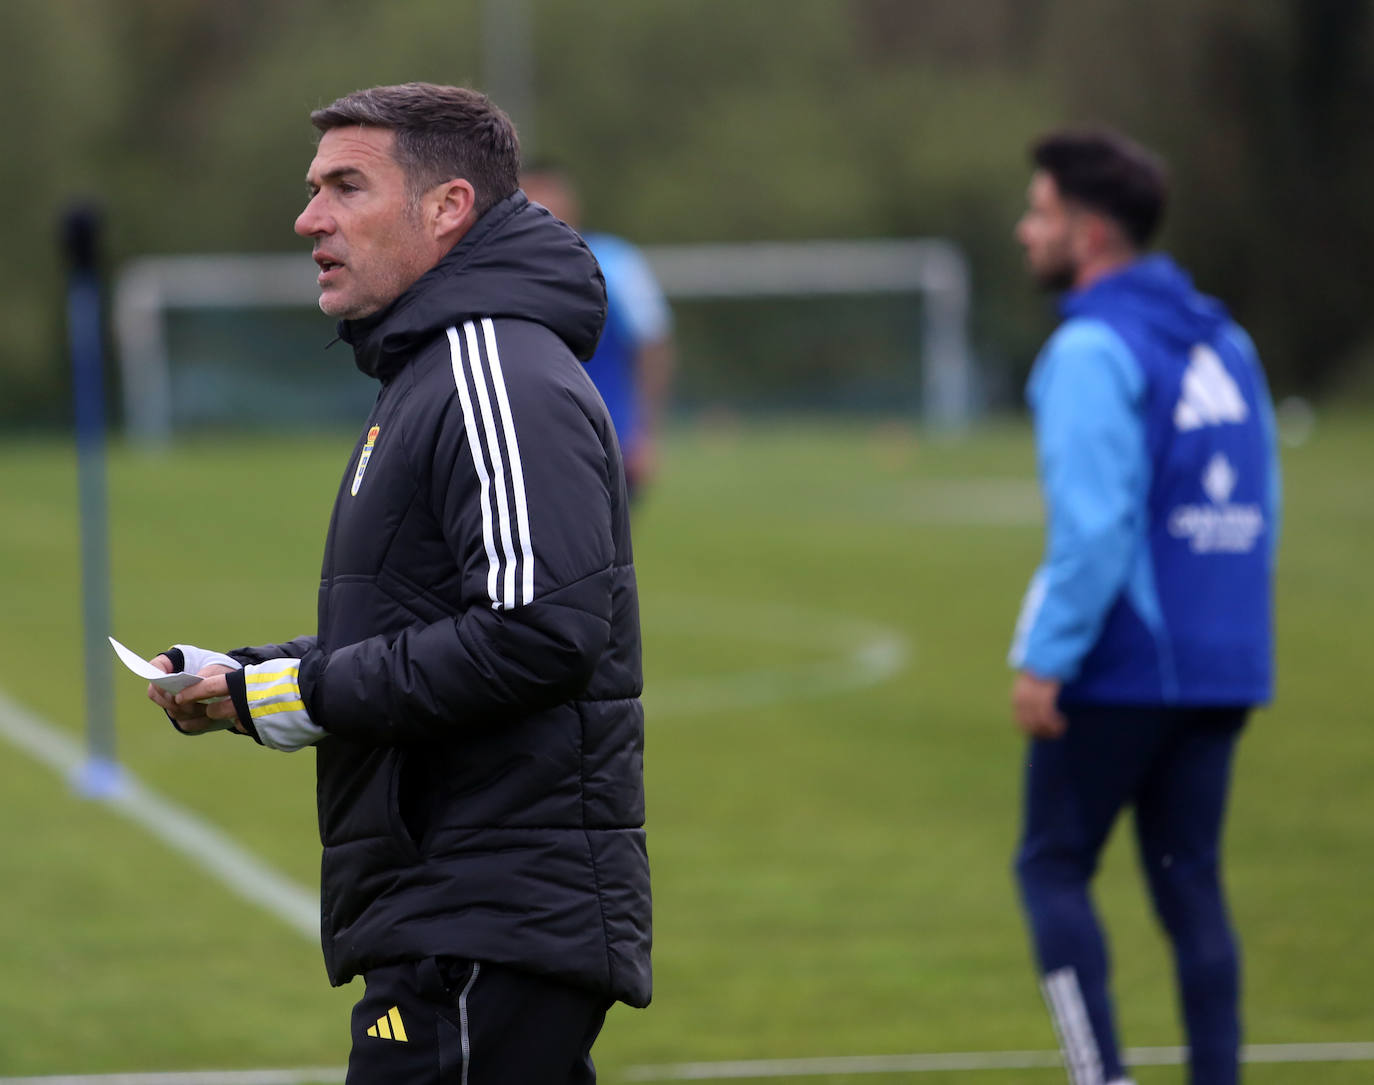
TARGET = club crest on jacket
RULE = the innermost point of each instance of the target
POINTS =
(362, 460)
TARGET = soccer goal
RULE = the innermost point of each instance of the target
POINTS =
(870, 324)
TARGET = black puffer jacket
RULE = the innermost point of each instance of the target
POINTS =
(477, 666)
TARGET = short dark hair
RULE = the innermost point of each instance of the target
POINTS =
(441, 133)
(1108, 173)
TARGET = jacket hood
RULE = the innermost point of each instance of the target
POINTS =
(517, 261)
(1155, 291)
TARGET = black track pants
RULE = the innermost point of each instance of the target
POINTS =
(449, 1022)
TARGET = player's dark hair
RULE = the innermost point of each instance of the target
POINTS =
(442, 133)
(1108, 173)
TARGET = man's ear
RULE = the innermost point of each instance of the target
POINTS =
(1105, 234)
(454, 207)
(1092, 233)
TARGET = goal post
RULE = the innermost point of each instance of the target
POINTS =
(151, 290)
(932, 268)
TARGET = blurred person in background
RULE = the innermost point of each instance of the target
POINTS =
(472, 692)
(633, 364)
(1145, 637)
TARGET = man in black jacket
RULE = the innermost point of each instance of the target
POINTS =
(472, 692)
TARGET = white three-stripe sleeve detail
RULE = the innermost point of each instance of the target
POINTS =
(478, 461)
(506, 596)
(1025, 621)
(517, 469)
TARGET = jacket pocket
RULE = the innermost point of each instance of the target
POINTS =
(412, 801)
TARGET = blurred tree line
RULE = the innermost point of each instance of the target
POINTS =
(707, 120)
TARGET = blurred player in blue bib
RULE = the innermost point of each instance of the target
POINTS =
(1146, 635)
(633, 363)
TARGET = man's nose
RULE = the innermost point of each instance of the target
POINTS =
(312, 222)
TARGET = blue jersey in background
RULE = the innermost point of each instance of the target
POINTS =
(1158, 465)
(636, 314)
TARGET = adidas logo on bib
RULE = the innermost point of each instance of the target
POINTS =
(1210, 395)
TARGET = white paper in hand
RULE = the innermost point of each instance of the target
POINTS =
(172, 683)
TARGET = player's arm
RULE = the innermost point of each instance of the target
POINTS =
(298, 648)
(536, 559)
(644, 309)
(244, 690)
(655, 362)
(1094, 474)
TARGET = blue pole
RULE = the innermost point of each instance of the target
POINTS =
(99, 778)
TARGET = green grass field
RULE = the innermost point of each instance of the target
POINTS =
(833, 780)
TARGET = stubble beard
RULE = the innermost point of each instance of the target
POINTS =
(1056, 275)
(1057, 279)
(333, 303)
(344, 311)
(399, 278)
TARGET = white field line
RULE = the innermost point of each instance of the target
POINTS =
(854, 653)
(185, 832)
(764, 1068)
(753, 1069)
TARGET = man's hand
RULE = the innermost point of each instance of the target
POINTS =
(186, 708)
(1033, 706)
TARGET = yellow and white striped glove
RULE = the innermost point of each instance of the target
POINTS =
(267, 698)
